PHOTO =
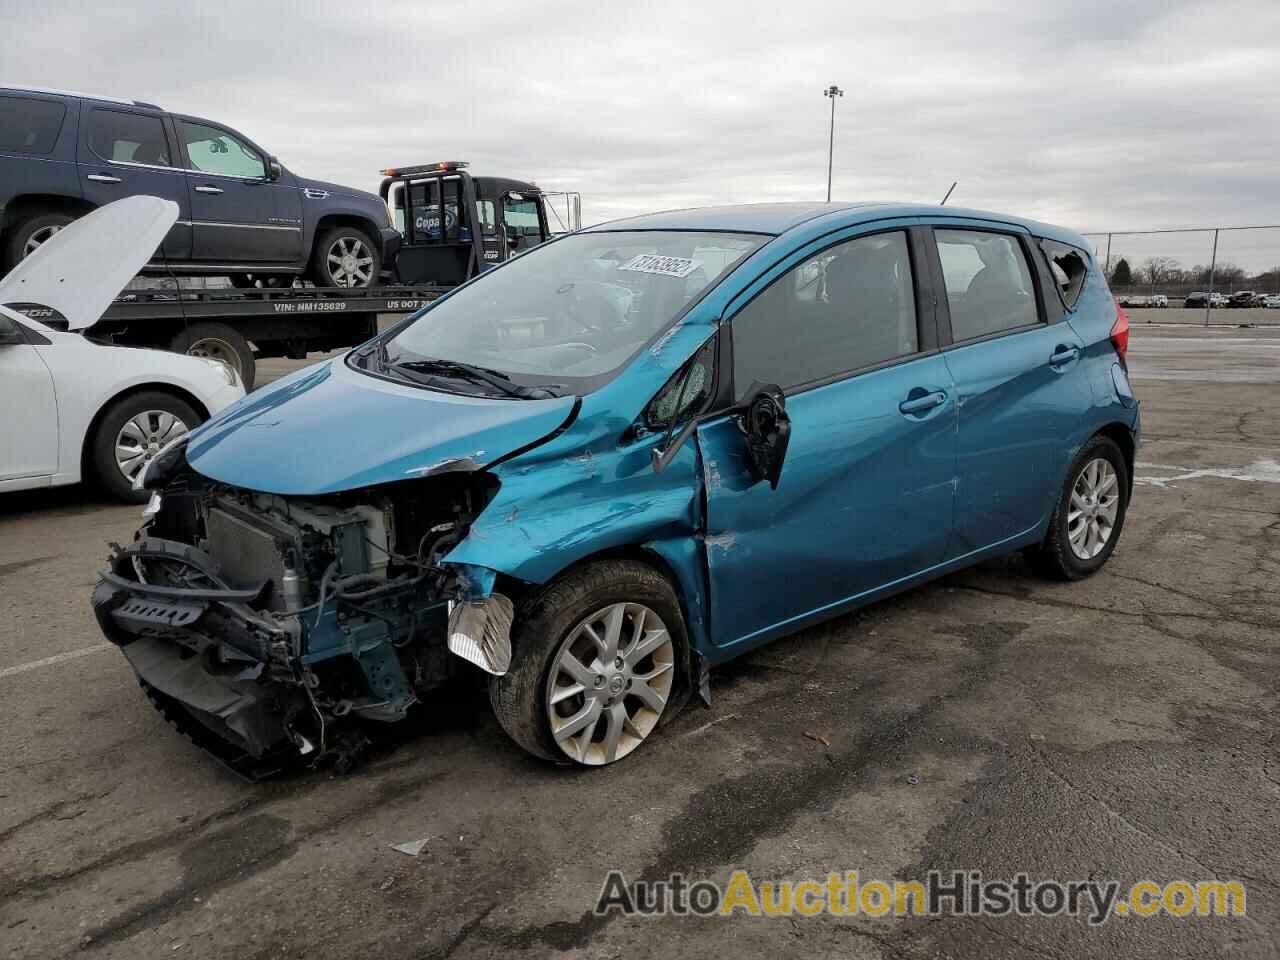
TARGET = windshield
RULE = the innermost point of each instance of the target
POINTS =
(562, 319)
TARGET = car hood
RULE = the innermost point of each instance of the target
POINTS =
(78, 271)
(329, 428)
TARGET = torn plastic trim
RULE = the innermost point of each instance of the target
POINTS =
(480, 632)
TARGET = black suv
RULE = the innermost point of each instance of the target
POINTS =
(243, 216)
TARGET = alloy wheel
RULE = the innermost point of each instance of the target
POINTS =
(609, 683)
(142, 437)
(38, 238)
(350, 262)
(1095, 502)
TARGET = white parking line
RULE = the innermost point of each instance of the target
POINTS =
(52, 661)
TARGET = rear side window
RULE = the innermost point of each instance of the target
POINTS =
(849, 307)
(129, 137)
(29, 126)
(989, 287)
(1068, 266)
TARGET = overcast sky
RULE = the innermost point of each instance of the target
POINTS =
(1097, 115)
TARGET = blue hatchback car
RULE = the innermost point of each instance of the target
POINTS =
(625, 457)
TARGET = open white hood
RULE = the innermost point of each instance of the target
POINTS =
(84, 266)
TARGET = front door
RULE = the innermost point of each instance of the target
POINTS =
(1019, 384)
(29, 433)
(238, 215)
(127, 153)
(865, 496)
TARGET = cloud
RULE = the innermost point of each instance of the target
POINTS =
(1096, 114)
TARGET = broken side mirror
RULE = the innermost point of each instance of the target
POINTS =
(768, 430)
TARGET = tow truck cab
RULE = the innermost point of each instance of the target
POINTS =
(455, 225)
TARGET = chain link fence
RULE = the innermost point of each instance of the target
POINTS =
(1225, 275)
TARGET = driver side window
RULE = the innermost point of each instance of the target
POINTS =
(989, 288)
(213, 150)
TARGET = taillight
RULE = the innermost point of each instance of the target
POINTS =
(1120, 334)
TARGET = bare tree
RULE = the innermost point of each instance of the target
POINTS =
(1158, 270)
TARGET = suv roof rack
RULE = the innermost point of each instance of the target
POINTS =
(23, 88)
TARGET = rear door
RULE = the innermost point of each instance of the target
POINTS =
(865, 496)
(238, 215)
(29, 439)
(1017, 372)
(126, 152)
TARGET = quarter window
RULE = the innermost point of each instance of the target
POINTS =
(213, 150)
(988, 283)
(1069, 266)
(29, 126)
(129, 137)
(849, 307)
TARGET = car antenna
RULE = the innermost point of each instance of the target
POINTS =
(948, 196)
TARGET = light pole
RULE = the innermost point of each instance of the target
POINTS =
(832, 91)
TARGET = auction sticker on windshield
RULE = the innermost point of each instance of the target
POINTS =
(667, 266)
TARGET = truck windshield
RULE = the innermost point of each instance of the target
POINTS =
(565, 317)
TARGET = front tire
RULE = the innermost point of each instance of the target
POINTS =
(1089, 515)
(131, 432)
(597, 662)
(345, 257)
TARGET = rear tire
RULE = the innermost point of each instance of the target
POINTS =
(549, 620)
(1069, 550)
(345, 257)
(218, 341)
(136, 422)
(30, 233)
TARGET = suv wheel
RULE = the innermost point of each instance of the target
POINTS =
(345, 257)
(29, 235)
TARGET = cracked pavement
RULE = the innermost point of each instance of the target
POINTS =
(1119, 728)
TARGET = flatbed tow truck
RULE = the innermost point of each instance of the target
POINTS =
(486, 221)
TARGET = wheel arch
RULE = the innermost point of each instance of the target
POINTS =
(86, 442)
(361, 223)
(681, 568)
(26, 205)
(1122, 436)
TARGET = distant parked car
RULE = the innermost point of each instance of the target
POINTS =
(1201, 299)
(1158, 300)
(1273, 301)
(1242, 298)
(87, 406)
(241, 214)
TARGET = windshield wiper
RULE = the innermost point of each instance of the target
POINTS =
(477, 374)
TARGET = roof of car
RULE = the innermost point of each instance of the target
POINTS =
(51, 91)
(778, 218)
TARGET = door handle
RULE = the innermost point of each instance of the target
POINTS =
(921, 404)
(102, 178)
(208, 189)
(1062, 355)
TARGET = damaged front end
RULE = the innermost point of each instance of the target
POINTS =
(272, 628)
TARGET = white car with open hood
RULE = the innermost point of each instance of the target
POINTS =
(73, 407)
